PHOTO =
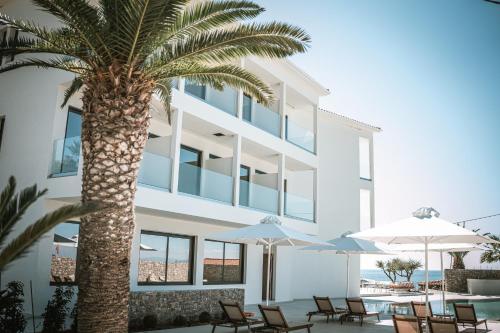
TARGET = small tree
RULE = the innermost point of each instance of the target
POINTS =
(56, 310)
(11, 308)
(492, 254)
(408, 267)
(388, 268)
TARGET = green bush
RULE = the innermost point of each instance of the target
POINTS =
(180, 321)
(11, 308)
(150, 321)
(204, 317)
(56, 310)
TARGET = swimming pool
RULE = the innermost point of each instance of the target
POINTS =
(488, 308)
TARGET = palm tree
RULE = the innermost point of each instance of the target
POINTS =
(122, 52)
(492, 254)
(12, 208)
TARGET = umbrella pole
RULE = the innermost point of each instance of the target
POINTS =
(426, 283)
(347, 287)
(442, 283)
(268, 272)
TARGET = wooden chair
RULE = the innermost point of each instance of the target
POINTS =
(325, 308)
(406, 324)
(235, 317)
(466, 315)
(356, 308)
(442, 325)
(419, 311)
(275, 321)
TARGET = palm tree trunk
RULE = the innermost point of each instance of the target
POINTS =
(114, 133)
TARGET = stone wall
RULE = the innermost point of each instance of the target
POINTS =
(154, 271)
(456, 279)
(62, 269)
(166, 305)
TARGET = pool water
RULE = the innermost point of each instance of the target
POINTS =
(489, 309)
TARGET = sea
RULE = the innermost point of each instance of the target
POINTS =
(418, 276)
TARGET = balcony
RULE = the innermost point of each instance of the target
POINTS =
(299, 207)
(267, 119)
(155, 171)
(65, 157)
(260, 197)
(299, 136)
(225, 100)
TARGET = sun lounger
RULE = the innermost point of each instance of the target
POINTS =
(406, 324)
(235, 317)
(356, 308)
(275, 321)
(466, 315)
(442, 325)
(419, 311)
(325, 308)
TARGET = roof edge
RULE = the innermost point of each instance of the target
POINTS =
(353, 122)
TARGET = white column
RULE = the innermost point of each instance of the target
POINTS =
(315, 130)
(236, 168)
(315, 194)
(281, 184)
(282, 107)
(175, 148)
(182, 84)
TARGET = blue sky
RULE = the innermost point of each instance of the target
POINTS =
(428, 73)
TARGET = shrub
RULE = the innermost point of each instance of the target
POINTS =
(74, 315)
(149, 321)
(204, 317)
(180, 321)
(56, 310)
(11, 308)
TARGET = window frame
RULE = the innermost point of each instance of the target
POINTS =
(242, 264)
(65, 283)
(191, 268)
(369, 159)
(2, 128)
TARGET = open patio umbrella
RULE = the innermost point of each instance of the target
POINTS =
(269, 232)
(348, 246)
(440, 248)
(424, 227)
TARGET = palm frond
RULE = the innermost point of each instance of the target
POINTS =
(76, 84)
(63, 63)
(21, 244)
(7, 195)
(164, 91)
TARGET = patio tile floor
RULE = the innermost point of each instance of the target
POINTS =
(295, 312)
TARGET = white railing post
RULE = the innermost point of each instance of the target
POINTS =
(281, 184)
(175, 148)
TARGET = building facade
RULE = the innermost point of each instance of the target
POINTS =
(224, 161)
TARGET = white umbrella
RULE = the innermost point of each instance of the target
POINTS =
(348, 246)
(441, 248)
(269, 232)
(424, 227)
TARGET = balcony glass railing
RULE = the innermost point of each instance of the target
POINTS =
(266, 119)
(299, 136)
(205, 183)
(65, 157)
(299, 207)
(155, 171)
(225, 100)
(258, 197)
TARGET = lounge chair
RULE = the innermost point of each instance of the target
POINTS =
(356, 308)
(442, 325)
(419, 311)
(406, 324)
(275, 321)
(235, 317)
(466, 315)
(325, 308)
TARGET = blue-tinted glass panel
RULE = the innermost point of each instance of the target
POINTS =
(189, 171)
(195, 89)
(247, 107)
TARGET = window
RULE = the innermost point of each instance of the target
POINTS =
(223, 263)
(8, 35)
(364, 159)
(195, 89)
(213, 157)
(244, 185)
(2, 125)
(365, 214)
(247, 107)
(189, 170)
(63, 262)
(165, 259)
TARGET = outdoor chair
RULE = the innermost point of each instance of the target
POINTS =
(419, 311)
(235, 317)
(325, 308)
(406, 324)
(466, 315)
(274, 321)
(442, 325)
(356, 308)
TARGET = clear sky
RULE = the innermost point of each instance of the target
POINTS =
(428, 73)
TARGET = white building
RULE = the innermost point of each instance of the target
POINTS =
(224, 162)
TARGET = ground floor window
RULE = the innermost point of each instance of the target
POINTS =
(223, 263)
(63, 264)
(165, 258)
